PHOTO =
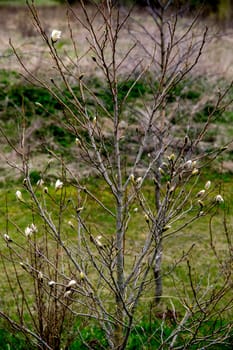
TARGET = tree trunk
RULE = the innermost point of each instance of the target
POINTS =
(157, 275)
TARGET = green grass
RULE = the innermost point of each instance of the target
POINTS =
(10, 340)
(21, 102)
(145, 336)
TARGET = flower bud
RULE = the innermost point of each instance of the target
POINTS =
(78, 210)
(40, 276)
(67, 293)
(82, 275)
(219, 199)
(207, 185)
(195, 171)
(98, 241)
(71, 284)
(171, 158)
(7, 238)
(40, 183)
(200, 203)
(51, 284)
(188, 164)
(132, 178)
(201, 193)
(55, 35)
(161, 171)
(58, 185)
(19, 196)
(146, 217)
(139, 181)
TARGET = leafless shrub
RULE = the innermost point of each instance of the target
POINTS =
(99, 273)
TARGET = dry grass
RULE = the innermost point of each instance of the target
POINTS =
(215, 62)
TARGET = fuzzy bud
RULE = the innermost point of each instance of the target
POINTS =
(58, 185)
(139, 181)
(201, 193)
(171, 158)
(161, 171)
(78, 210)
(40, 276)
(67, 293)
(40, 183)
(219, 199)
(19, 196)
(98, 241)
(201, 204)
(7, 238)
(77, 141)
(195, 171)
(82, 275)
(55, 35)
(207, 185)
(51, 284)
(71, 284)
(132, 178)
(188, 164)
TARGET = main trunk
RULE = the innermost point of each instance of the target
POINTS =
(119, 329)
(157, 274)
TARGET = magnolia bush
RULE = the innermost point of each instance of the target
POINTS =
(91, 253)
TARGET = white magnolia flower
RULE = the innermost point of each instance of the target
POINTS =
(40, 183)
(19, 195)
(146, 217)
(72, 283)
(7, 238)
(188, 164)
(51, 283)
(207, 185)
(139, 181)
(40, 276)
(219, 199)
(200, 203)
(77, 141)
(78, 210)
(98, 241)
(29, 230)
(195, 171)
(33, 228)
(55, 35)
(70, 223)
(38, 104)
(132, 178)
(201, 193)
(67, 293)
(58, 185)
